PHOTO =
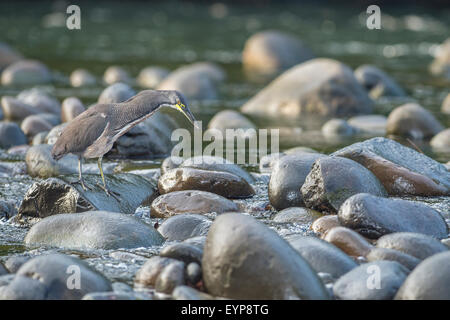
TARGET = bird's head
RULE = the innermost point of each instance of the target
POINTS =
(178, 102)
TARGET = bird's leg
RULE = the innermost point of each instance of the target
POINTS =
(80, 175)
(108, 193)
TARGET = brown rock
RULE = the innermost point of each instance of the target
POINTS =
(348, 241)
(325, 223)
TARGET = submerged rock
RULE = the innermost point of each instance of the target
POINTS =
(322, 87)
(377, 82)
(190, 201)
(375, 216)
(63, 195)
(288, 175)
(25, 73)
(93, 230)
(332, 180)
(244, 259)
(222, 183)
(267, 53)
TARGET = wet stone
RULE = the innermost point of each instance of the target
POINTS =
(299, 215)
(23, 288)
(188, 293)
(14, 109)
(170, 277)
(149, 272)
(184, 226)
(349, 241)
(116, 93)
(323, 224)
(169, 163)
(11, 135)
(376, 254)
(71, 107)
(183, 252)
(15, 262)
(193, 273)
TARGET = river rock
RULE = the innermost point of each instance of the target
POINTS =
(149, 272)
(40, 100)
(337, 127)
(54, 134)
(231, 119)
(151, 77)
(372, 124)
(34, 124)
(93, 230)
(415, 244)
(53, 270)
(377, 82)
(446, 105)
(14, 109)
(197, 81)
(169, 163)
(244, 259)
(441, 141)
(170, 277)
(82, 78)
(15, 262)
(441, 63)
(188, 293)
(267, 162)
(412, 120)
(322, 256)
(299, 215)
(26, 73)
(217, 164)
(8, 55)
(184, 252)
(23, 288)
(71, 107)
(332, 180)
(429, 281)
(40, 163)
(115, 74)
(113, 296)
(184, 226)
(11, 135)
(323, 224)
(361, 282)
(376, 254)
(408, 158)
(267, 53)
(349, 241)
(317, 87)
(191, 201)
(288, 176)
(62, 195)
(193, 273)
(116, 93)
(222, 183)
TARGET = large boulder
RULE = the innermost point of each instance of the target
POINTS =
(424, 176)
(267, 53)
(322, 87)
(441, 63)
(197, 81)
(244, 259)
(190, 201)
(332, 180)
(26, 73)
(93, 230)
(376, 216)
(377, 82)
(54, 277)
(412, 120)
(287, 177)
(11, 135)
(64, 195)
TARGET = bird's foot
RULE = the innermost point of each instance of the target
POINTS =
(81, 182)
(115, 195)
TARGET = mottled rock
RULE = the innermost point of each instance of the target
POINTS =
(115, 74)
(184, 252)
(149, 272)
(151, 77)
(430, 280)
(403, 156)
(270, 52)
(222, 183)
(82, 78)
(374, 216)
(376, 254)
(288, 176)
(332, 180)
(25, 73)
(349, 241)
(318, 87)
(361, 283)
(184, 226)
(244, 259)
(71, 107)
(116, 93)
(441, 141)
(377, 82)
(299, 215)
(11, 135)
(412, 120)
(14, 109)
(322, 256)
(415, 244)
(93, 230)
(170, 277)
(191, 201)
(323, 224)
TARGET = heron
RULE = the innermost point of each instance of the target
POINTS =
(92, 133)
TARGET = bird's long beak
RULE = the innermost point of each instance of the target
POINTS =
(185, 110)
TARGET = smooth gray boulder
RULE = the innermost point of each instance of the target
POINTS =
(63, 195)
(374, 217)
(116, 93)
(332, 180)
(23, 288)
(287, 177)
(185, 252)
(93, 230)
(70, 108)
(430, 280)
(11, 135)
(299, 215)
(184, 226)
(40, 163)
(171, 276)
(244, 259)
(25, 73)
(149, 272)
(378, 280)
(35, 124)
(376, 254)
(377, 82)
(15, 109)
(322, 256)
(321, 87)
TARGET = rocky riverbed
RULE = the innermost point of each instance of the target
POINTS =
(359, 189)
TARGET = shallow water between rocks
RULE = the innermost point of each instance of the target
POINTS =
(134, 37)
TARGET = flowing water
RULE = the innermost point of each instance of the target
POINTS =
(135, 35)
